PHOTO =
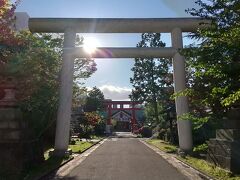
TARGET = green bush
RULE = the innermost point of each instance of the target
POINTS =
(202, 148)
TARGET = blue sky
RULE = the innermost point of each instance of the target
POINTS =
(112, 75)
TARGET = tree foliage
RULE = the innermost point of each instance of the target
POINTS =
(94, 100)
(8, 40)
(152, 81)
(214, 64)
(35, 64)
(90, 122)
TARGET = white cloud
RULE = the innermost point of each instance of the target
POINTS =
(115, 92)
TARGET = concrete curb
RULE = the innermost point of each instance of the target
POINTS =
(61, 168)
(189, 171)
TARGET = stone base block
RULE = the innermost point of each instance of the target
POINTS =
(231, 124)
(228, 134)
(12, 126)
(15, 157)
(234, 114)
(108, 129)
(58, 153)
(224, 153)
(9, 114)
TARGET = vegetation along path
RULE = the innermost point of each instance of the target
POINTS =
(124, 158)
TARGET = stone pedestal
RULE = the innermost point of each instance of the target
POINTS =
(108, 129)
(224, 150)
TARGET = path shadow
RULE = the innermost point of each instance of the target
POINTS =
(52, 164)
(68, 178)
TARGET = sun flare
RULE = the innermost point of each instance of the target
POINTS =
(90, 44)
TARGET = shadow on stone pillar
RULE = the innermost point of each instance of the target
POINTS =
(16, 151)
(224, 150)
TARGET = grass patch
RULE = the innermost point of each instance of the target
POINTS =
(80, 146)
(162, 145)
(209, 168)
(199, 164)
(51, 163)
(97, 137)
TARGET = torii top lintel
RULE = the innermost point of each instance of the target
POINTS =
(121, 102)
(113, 25)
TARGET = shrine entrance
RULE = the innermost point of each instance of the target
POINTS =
(122, 126)
(121, 115)
(121, 121)
(71, 26)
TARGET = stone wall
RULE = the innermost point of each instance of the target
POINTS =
(224, 150)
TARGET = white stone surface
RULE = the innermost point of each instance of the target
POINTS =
(66, 88)
(114, 25)
(126, 52)
(21, 21)
(179, 76)
(108, 129)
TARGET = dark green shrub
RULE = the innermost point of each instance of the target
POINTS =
(146, 132)
(72, 142)
(162, 133)
(86, 134)
(99, 128)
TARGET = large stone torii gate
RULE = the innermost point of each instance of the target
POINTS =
(71, 26)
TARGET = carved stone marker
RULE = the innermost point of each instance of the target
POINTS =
(224, 150)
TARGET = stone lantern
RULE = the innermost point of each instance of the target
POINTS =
(10, 115)
(10, 129)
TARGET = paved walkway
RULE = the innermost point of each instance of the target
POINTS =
(124, 159)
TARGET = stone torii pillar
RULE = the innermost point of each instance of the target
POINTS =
(65, 101)
(179, 75)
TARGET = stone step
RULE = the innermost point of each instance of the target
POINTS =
(7, 114)
(224, 143)
(231, 164)
(234, 114)
(218, 150)
(11, 135)
(228, 134)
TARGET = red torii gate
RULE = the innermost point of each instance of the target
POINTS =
(113, 105)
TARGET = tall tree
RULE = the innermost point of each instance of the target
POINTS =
(34, 62)
(94, 101)
(36, 68)
(214, 63)
(150, 75)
